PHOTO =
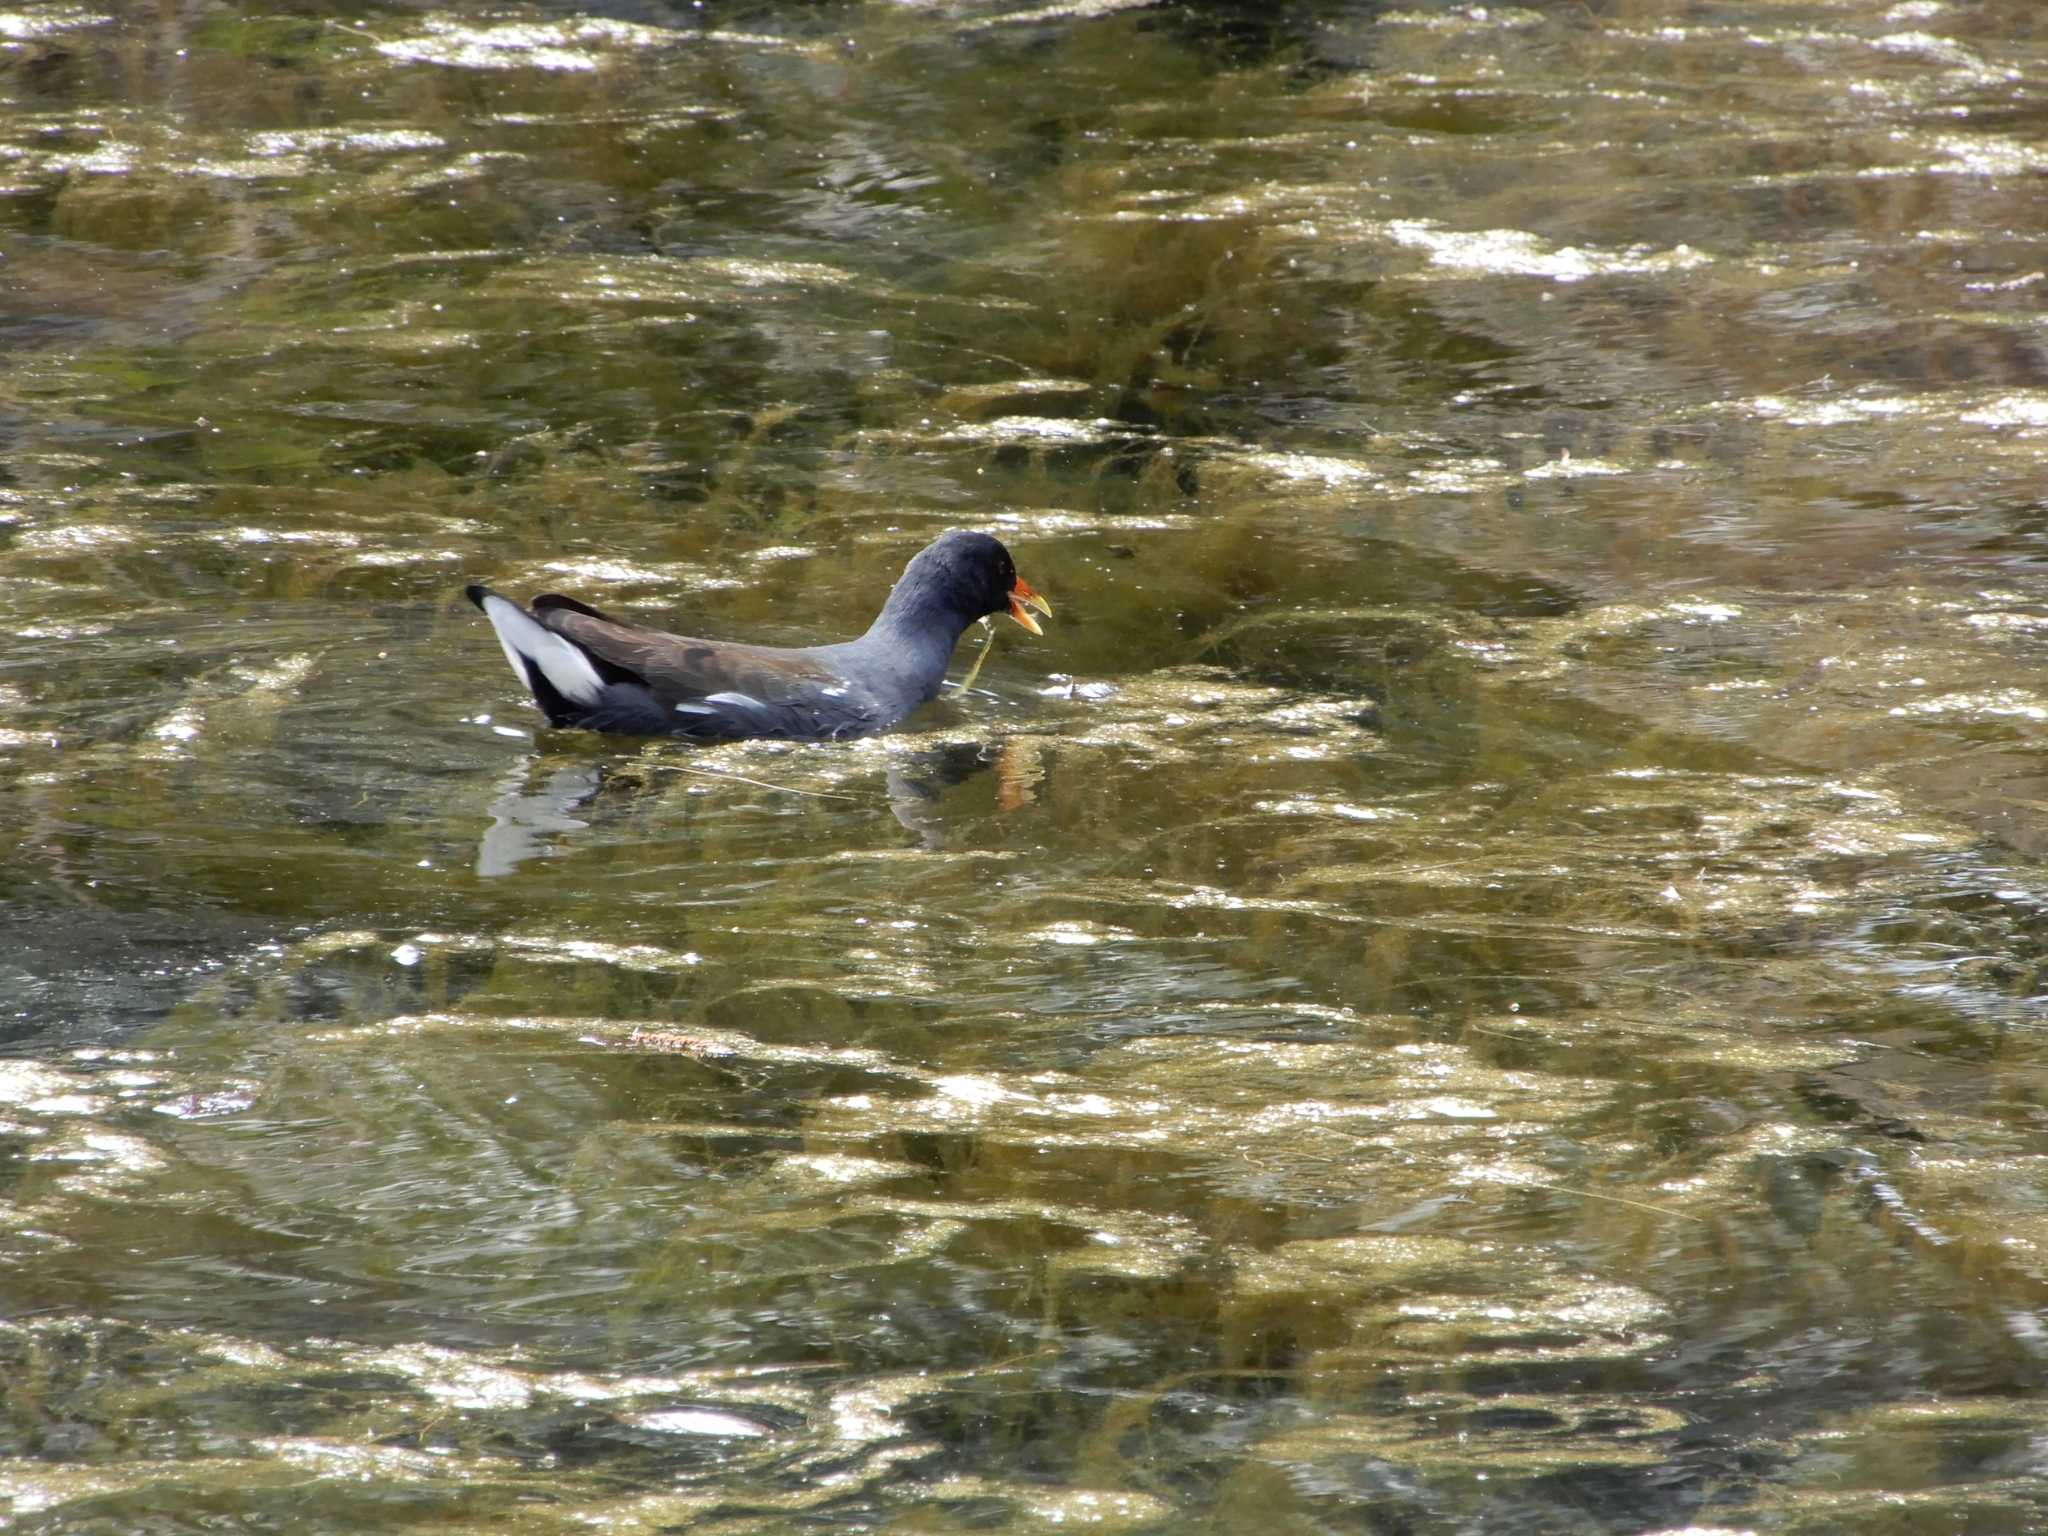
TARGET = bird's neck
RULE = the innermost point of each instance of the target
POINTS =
(911, 645)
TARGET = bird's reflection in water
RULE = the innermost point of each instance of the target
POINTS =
(522, 819)
(917, 784)
(527, 821)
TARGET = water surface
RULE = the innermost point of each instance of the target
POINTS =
(1487, 974)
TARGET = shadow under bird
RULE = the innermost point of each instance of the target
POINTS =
(590, 671)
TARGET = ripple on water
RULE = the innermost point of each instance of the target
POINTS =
(1516, 921)
(1518, 253)
(575, 46)
(44, 20)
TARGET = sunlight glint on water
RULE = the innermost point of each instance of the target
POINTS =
(1485, 974)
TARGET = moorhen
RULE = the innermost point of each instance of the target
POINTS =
(597, 673)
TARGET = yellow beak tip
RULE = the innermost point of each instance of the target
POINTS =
(1022, 601)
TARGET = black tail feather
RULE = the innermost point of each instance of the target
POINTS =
(553, 601)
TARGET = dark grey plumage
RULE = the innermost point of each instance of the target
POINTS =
(590, 671)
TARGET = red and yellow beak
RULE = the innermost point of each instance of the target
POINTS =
(1023, 598)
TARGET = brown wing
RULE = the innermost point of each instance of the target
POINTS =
(762, 689)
